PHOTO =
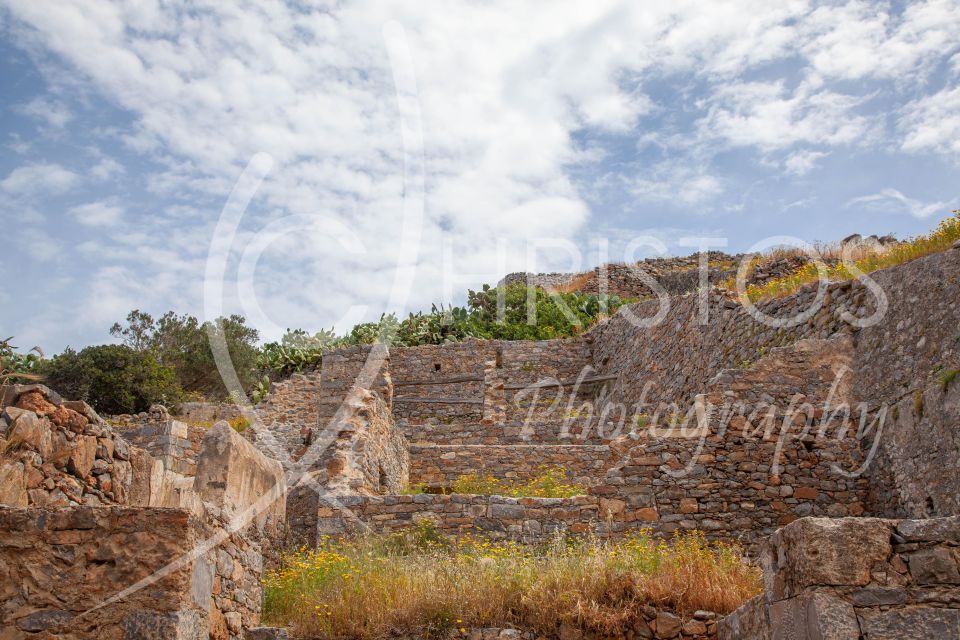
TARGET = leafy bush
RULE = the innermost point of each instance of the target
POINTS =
(184, 344)
(113, 378)
(428, 586)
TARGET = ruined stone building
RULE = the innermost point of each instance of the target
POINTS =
(710, 418)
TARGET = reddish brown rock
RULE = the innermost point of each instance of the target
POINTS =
(69, 419)
(35, 401)
(82, 456)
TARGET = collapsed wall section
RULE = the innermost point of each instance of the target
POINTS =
(58, 453)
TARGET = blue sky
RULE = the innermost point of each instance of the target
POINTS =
(540, 130)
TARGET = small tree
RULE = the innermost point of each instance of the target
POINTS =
(182, 343)
(113, 378)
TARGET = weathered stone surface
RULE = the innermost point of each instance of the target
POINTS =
(829, 617)
(935, 566)
(750, 622)
(82, 456)
(821, 551)
(909, 622)
(266, 633)
(36, 401)
(933, 529)
(69, 419)
(666, 625)
(235, 477)
(13, 490)
(43, 620)
(58, 563)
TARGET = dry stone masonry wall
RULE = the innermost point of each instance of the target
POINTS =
(856, 578)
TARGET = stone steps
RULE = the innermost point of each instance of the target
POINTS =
(441, 465)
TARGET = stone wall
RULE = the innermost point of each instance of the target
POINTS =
(675, 275)
(290, 411)
(856, 578)
(358, 450)
(173, 442)
(675, 359)
(91, 515)
(523, 519)
(59, 568)
(444, 383)
(208, 411)
(439, 466)
(56, 452)
(905, 363)
(238, 480)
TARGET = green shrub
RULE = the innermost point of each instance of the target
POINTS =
(113, 378)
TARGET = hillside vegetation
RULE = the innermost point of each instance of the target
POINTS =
(170, 359)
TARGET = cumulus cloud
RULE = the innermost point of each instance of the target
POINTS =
(767, 116)
(97, 214)
(893, 201)
(932, 123)
(38, 177)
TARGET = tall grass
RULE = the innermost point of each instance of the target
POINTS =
(941, 238)
(421, 585)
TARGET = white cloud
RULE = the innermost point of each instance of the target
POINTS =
(803, 161)
(892, 201)
(762, 114)
(860, 39)
(506, 92)
(677, 184)
(38, 178)
(106, 168)
(932, 123)
(97, 214)
(54, 113)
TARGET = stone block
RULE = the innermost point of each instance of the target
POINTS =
(909, 622)
(266, 633)
(235, 477)
(934, 566)
(931, 530)
(813, 552)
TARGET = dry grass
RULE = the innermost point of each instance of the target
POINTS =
(865, 260)
(419, 585)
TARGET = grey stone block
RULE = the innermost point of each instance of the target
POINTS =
(266, 633)
(911, 622)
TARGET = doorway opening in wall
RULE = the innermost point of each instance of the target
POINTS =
(436, 366)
